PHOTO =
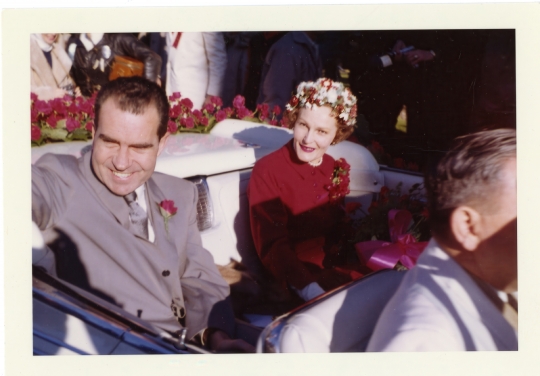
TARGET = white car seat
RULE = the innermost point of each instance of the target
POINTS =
(339, 321)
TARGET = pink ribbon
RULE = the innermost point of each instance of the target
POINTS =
(404, 248)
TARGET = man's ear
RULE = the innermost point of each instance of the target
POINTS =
(163, 142)
(465, 226)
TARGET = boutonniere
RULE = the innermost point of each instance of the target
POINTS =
(340, 180)
(167, 210)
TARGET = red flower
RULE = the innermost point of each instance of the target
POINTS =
(204, 121)
(89, 125)
(34, 115)
(187, 122)
(174, 96)
(209, 107)
(239, 102)
(277, 110)
(72, 124)
(352, 207)
(340, 180)
(221, 115)
(175, 111)
(33, 97)
(197, 114)
(229, 111)
(294, 101)
(42, 107)
(167, 210)
(171, 126)
(284, 123)
(263, 108)
(35, 133)
(52, 120)
(58, 106)
(216, 101)
(187, 103)
(73, 108)
(242, 112)
(273, 122)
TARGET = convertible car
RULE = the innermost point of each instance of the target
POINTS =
(68, 320)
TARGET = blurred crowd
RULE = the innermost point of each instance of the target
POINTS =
(417, 89)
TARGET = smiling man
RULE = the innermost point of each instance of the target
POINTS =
(126, 233)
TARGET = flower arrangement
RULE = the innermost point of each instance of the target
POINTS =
(340, 180)
(375, 224)
(61, 119)
(324, 91)
(72, 118)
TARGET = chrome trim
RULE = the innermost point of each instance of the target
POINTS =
(205, 209)
(400, 170)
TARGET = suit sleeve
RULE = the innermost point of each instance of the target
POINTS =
(50, 191)
(214, 45)
(206, 294)
(268, 218)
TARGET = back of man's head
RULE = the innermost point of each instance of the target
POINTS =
(469, 174)
(134, 95)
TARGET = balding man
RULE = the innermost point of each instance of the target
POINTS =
(462, 294)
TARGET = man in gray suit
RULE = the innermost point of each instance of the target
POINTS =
(111, 221)
(462, 293)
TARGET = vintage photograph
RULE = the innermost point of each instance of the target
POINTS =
(274, 191)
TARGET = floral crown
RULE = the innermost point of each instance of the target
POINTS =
(324, 91)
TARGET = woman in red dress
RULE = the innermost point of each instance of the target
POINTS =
(295, 202)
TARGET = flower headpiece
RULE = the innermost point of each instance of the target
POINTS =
(322, 92)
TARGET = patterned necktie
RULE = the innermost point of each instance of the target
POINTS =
(138, 215)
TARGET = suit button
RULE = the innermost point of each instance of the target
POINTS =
(165, 273)
(318, 197)
(313, 172)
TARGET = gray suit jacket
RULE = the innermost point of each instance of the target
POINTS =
(88, 229)
(438, 307)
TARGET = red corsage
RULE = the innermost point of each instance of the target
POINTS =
(340, 181)
(167, 210)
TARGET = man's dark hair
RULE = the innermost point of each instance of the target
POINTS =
(469, 174)
(134, 95)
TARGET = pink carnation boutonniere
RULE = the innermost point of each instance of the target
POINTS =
(340, 181)
(167, 209)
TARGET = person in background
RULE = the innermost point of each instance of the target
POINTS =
(462, 293)
(94, 54)
(292, 59)
(196, 66)
(296, 216)
(49, 67)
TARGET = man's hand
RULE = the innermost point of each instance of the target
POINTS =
(220, 342)
(414, 57)
(397, 48)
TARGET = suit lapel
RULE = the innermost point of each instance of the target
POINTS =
(163, 238)
(115, 205)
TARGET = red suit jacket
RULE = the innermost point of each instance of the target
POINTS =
(296, 230)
